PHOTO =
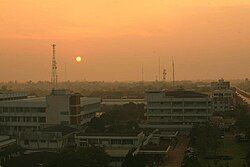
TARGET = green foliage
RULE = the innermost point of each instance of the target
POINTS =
(13, 149)
(82, 157)
(116, 118)
(206, 138)
(192, 163)
(134, 161)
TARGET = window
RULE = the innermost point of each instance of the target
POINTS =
(127, 142)
(14, 119)
(65, 122)
(7, 119)
(34, 119)
(64, 113)
(52, 141)
(26, 142)
(28, 119)
(41, 119)
(116, 141)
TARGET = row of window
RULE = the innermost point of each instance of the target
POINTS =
(27, 142)
(22, 119)
(180, 103)
(112, 141)
(22, 109)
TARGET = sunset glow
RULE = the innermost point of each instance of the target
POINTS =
(120, 35)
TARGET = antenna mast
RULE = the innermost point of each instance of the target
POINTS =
(142, 73)
(54, 68)
(173, 71)
(159, 68)
(164, 75)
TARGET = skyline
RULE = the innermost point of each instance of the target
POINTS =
(208, 39)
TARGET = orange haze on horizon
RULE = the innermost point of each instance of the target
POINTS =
(208, 39)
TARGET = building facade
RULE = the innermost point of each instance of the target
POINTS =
(177, 109)
(50, 138)
(223, 96)
(60, 107)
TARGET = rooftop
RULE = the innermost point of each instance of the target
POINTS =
(12, 95)
(130, 134)
(185, 94)
(89, 100)
(29, 102)
(41, 102)
(59, 128)
(162, 146)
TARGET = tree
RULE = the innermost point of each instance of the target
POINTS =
(134, 160)
(81, 157)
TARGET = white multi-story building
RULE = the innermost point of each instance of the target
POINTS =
(178, 109)
(223, 96)
(60, 107)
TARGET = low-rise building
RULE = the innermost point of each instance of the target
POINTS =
(116, 145)
(50, 138)
(178, 109)
(112, 140)
(60, 107)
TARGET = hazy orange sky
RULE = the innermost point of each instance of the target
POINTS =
(209, 39)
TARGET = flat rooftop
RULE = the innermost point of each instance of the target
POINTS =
(162, 146)
(90, 100)
(180, 93)
(59, 128)
(10, 95)
(29, 102)
(106, 134)
(117, 152)
(40, 102)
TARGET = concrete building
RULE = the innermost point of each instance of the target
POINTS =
(50, 138)
(12, 96)
(223, 96)
(116, 145)
(60, 107)
(112, 140)
(178, 109)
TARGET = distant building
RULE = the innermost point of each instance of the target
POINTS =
(60, 107)
(178, 109)
(223, 96)
(220, 85)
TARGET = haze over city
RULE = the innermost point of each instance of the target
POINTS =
(208, 39)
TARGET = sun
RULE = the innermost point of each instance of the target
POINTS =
(78, 59)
